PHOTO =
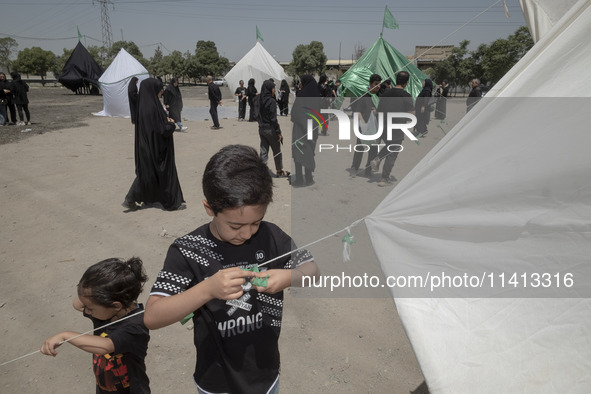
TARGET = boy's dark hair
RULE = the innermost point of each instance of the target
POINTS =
(236, 176)
(374, 78)
(114, 280)
(402, 77)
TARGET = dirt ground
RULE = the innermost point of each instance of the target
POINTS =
(61, 189)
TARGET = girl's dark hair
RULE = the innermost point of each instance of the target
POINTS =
(114, 280)
(235, 177)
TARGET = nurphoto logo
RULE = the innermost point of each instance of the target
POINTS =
(393, 121)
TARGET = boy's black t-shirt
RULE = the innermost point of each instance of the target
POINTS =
(236, 340)
(124, 370)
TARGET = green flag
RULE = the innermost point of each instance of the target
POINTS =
(389, 21)
(259, 36)
(79, 35)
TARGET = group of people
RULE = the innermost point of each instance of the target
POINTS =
(309, 95)
(248, 96)
(13, 98)
(227, 275)
(381, 98)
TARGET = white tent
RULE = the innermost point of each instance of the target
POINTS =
(257, 64)
(114, 83)
(506, 191)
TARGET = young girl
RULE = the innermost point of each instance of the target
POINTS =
(107, 293)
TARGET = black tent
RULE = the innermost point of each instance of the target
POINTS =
(81, 72)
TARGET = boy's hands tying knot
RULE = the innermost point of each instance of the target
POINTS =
(278, 279)
(227, 284)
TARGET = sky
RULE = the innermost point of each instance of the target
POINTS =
(341, 26)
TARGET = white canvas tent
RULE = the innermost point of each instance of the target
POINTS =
(114, 83)
(257, 64)
(507, 190)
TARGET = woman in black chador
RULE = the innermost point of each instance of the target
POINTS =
(302, 149)
(156, 178)
(132, 94)
(251, 93)
(423, 109)
(173, 100)
(269, 130)
(283, 101)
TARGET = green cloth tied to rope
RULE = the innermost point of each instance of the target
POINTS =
(259, 282)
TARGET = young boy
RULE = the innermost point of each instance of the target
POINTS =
(237, 324)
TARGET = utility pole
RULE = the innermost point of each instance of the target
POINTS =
(106, 22)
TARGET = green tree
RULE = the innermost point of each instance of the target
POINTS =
(7, 47)
(192, 67)
(99, 54)
(130, 47)
(489, 62)
(174, 64)
(502, 54)
(35, 61)
(454, 67)
(308, 59)
(156, 63)
(207, 60)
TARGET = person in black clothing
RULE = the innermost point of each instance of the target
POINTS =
(423, 109)
(173, 100)
(251, 93)
(441, 105)
(242, 98)
(215, 99)
(475, 94)
(3, 101)
(107, 295)
(132, 96)
(8, 101)
(302, 148)
(283, 101)
(326, 94)
(393, 100)
(364, 106)
(20, 89)
(156, 178)
(269, 130)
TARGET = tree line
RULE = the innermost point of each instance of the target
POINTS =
(489, 62)
(189, 66)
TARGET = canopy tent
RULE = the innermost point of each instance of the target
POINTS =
(383, 59)
(507, 190)
(81, 72)
(114, 83)
(257, 64)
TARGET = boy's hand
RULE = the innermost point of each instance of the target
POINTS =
(227, 284)
(51, 344)
(279, 279)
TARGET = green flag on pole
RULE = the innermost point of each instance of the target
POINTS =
(259, 36)
(79, 35)
(389, 21)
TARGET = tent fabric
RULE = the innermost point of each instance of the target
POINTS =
(541, 15)
(506, 190)
(383, 59)
(114, 83)
(257, 64)
(80, 71)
